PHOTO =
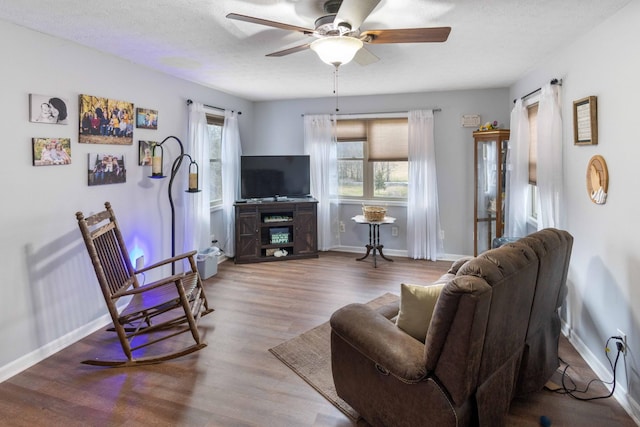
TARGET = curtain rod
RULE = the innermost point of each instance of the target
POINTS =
(189, 102)
(553, 82)
(435, 110)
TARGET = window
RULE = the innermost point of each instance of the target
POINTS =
(350, 169)
(532, 112)
(372, 158)
(214, 126)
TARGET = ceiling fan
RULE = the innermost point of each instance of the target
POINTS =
(338, 35)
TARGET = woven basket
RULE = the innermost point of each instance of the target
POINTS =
(374, 213)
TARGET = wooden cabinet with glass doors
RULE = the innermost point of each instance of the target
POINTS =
(490, 160)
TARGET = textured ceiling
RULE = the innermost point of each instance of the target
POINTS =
(492, 42)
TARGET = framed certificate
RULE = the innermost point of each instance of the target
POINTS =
(585, 121)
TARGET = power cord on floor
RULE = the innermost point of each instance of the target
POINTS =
(574, 388)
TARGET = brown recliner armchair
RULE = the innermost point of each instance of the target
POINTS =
(540, 358)
(392, 379)
(494, 332)
(466, 370)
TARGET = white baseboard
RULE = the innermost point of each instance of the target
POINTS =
(361, 250)
(603, 372)
(38, 355)
(393, 252)
(28, 360)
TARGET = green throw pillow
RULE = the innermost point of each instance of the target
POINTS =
(416, 308)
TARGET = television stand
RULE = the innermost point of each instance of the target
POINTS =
(276, 231)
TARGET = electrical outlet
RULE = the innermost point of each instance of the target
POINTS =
(442, 234)
(624, 341)
(394, 231)
(140, 262)
(342, 229)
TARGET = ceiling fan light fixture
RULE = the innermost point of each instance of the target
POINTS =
(337, 50)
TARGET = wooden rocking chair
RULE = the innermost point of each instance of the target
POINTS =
(157, 311)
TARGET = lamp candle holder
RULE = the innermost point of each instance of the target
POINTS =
(157, 173)
(156, 161)
(193, 177)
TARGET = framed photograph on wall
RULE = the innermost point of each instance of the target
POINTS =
(51, 151)
(145, 149)
(48, 109)
(585, 121)
(106, 168)
(146, 118)
(105, 121)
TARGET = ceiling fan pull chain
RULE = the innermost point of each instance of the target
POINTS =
(335, 86)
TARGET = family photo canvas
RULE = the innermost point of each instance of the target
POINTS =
(105, 121)
(51, 151)
(145, 150)
(48, 109)
(106, 168)
(146, 118)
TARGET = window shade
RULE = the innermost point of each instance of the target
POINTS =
(351, 130)
(215, 120)
(533, 143)
(387, 139)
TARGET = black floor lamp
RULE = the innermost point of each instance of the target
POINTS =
(157, 173)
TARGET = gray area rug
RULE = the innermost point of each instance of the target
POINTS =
(309, 356)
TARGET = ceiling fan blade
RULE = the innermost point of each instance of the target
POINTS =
(408, 35)
(290, 50)
(365, 57)
(355, 12)
(268, 23)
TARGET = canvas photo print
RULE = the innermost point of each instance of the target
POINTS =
(48, 109)
(106, 168)
(105, 121)
(51, 151)
(146, 118)
(145, 150)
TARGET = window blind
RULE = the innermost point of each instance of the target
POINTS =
(386, 139)
(215, 120)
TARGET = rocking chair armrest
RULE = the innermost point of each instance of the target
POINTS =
(175, 279)
(166, 261)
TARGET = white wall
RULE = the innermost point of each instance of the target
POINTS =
(50, 294)
(280, 125)
(604, 276)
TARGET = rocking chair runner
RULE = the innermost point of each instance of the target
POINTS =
(157, 311)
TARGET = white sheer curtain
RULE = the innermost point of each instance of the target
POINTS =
(549, 166)
(197, 215)
(320, 145)
(423, 217)
(231, 152)
(517, 186)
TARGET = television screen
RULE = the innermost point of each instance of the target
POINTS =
(269, 176)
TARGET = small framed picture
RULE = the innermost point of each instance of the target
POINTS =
(51, 151)
(146, 118)
(145, 149)
(106, 168)
(585, 121)
(48, 109)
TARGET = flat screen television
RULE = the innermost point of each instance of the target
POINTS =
(264, 177)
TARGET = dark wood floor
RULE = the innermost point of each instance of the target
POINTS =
(235, 381)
